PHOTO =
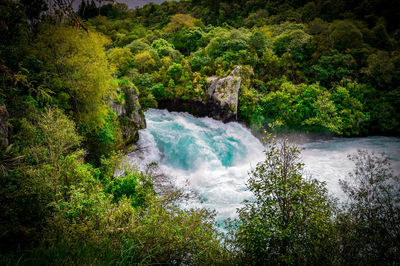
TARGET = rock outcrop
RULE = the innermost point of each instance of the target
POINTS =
(223, 96)
(130, 114)
(3, 127)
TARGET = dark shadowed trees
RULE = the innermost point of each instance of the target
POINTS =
(369, 227)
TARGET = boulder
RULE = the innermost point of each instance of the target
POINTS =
(223, 96)
(3, 126)
(130, 114)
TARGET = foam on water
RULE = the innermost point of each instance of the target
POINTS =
(215, 158)
(327, 160)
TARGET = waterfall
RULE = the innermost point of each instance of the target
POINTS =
(214, 158)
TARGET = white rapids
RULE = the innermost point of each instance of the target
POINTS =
(214, 158)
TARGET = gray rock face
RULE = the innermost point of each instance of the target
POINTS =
(3, 126)
(130, 114)
(223, 96)
(119, 109)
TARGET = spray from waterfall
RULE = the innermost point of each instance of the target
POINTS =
(214, 158)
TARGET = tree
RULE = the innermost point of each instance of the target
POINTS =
(259, 18)
(87, 10)
(369, 227)
(137, 227)
(258, 42)
(382, 38)
(188, 40)
(75, 63)
(288, 220)
(65, 8)
(350, 111)
(163, 47)
(303, 106)
(229, 48)
(34, 8)
(52, 137)
(381, 69)
(295, 42)
(179, 21)
(175, 71)
(270, 66)
(137, 46)
(144, 61)
(345, 35)
(322, 110)
(134, 186)
(120, 58)
(333, 68)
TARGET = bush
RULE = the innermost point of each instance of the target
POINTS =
(133, 186)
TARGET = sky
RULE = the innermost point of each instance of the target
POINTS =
(135, 3)
(131, 3)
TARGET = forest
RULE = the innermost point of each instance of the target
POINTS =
(76, 82)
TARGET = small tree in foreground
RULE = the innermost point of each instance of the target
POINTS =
(288, 221)
(369, 227)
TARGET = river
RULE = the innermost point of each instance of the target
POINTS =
(214, 158)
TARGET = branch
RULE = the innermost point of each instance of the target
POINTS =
(65, 6)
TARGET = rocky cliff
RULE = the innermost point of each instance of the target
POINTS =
(223, 95)
(130, 114)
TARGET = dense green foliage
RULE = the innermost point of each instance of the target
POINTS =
(321, 66)
(71, 212)
(289, 219)
(60, 200)
(293, 49)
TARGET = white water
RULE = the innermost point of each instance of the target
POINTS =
(327, 160)
(215, 158)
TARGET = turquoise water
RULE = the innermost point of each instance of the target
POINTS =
(214, 159)
(186, 142)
